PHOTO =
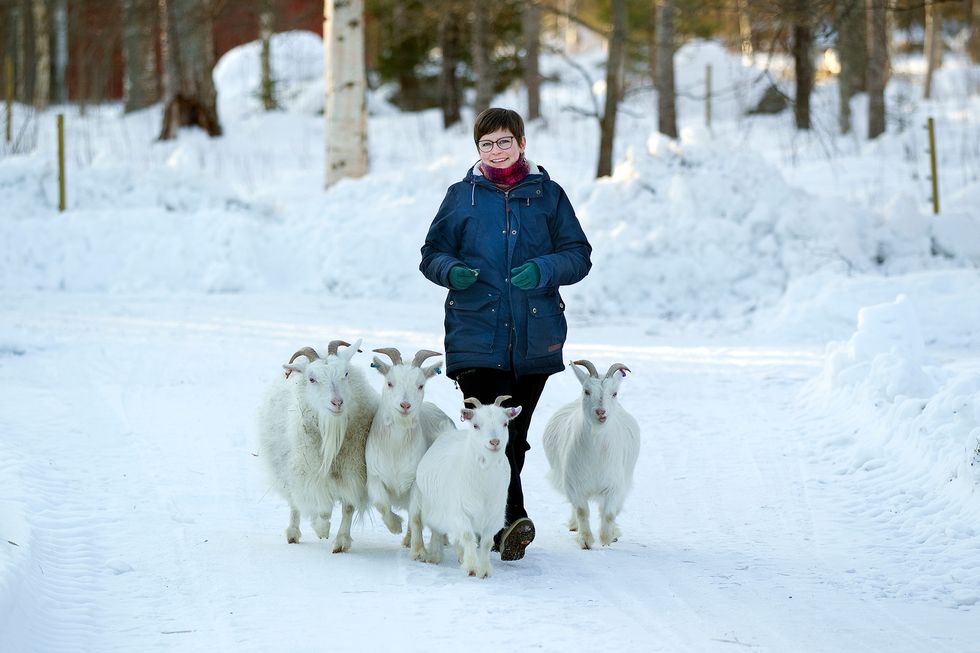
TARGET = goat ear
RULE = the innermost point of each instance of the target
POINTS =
(432, 370)
(380, 365)
(347, 353)
(582, 375)
(466, 414)
(513, 412)
(294, 367)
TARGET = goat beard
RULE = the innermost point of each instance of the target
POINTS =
(332, 431)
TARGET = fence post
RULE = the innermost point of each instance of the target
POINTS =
(707, 95)
(932, 164)
(61, 162)
(8, 74)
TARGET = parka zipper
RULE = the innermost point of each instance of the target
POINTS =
(510, 326)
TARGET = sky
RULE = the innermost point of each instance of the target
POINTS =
(801, 330)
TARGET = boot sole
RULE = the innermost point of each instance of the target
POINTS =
(516, 539)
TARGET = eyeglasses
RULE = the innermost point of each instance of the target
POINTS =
(504, 143)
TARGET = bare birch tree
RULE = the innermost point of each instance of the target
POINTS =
(140, 80)
(42, 55)
(877, 65)
(614, 68)
(345, 111)
(532, 50)
(664, 78)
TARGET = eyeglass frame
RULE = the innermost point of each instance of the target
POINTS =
(479, 144)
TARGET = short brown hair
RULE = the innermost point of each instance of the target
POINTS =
(495, 118)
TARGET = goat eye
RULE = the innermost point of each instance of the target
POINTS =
(312, 380)
(420, 387)
(476, 427)
(615, 394)
(391, 385)
(588, 393)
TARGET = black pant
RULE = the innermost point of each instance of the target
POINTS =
(488, 384)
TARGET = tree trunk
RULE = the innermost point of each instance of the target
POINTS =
(614, 67)
(877, 65)
(852, 52)
(744, 30)
(532, 73)
(481, 44)
(187, 46)
(932, 45)
(803, 60)
(450, 88)
(568, 28)
(42, 55)
(404, 17)
(972, 29)
(664, 79)
(267, 87)
(60, 25)
(21, 55)
(139, 55)
(345, 112)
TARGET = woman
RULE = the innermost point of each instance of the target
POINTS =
(505, 238)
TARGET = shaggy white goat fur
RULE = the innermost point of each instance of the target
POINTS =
(404, 427)
(461, 488)
(592, 445)
(313, 427)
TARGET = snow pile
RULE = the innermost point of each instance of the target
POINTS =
(296, 59)
(914, 450)
(707, 227)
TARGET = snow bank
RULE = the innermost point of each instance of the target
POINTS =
(914, 449)
(710, 227)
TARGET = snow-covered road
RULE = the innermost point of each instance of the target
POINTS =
(135, 515)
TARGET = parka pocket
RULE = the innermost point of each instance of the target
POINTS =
(546, 325)
(471, 321)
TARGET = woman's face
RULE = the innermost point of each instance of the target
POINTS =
(498, 157)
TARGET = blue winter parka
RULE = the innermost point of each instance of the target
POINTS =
(494, 324)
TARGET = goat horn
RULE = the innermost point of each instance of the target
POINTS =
(334, 344)
(422, 355)
(474, 401)
(392, 353)
(500, 399)
(589, 366)
(309, 352)
(616, 366)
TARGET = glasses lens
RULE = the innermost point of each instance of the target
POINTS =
(503, 143)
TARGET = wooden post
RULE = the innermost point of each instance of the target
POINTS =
(61, 162)
(8, 74)
(932, 163)
(707, 95)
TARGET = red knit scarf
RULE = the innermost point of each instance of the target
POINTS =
(507, 176)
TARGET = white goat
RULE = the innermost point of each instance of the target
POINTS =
(461, 488)
(592, 445)
(313, 426)
(403, 429)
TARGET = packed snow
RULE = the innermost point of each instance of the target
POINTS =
(802, 331)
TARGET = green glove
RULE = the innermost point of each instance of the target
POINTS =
(461, 277)
(526, 276)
